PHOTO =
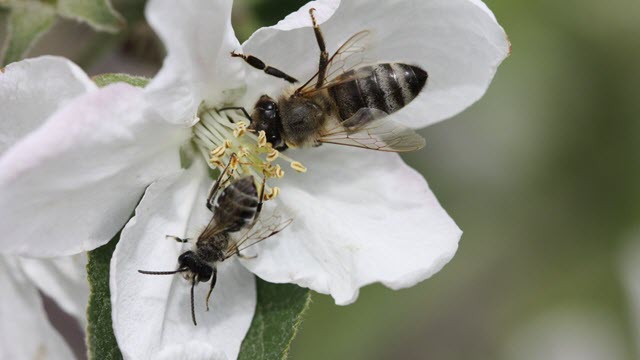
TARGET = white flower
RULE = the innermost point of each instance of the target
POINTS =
(26, 330)
(360, 216)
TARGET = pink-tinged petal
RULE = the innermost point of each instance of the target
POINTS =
(64, 280)
(198, 67)
(70, 185)
(32, 89)
(458, 42)
(25, 328)
(359, 217)
(151, 313)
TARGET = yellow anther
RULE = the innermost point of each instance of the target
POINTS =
(262, 139)
(272, 155)
(227, 143)
(273, 193)
(244, 152)
(279, 173)
(241, 129)
(216, 161)
(297, 166)
(219, 151)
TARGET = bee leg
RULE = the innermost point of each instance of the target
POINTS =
(216, 185)
(246, 113)
(260, 65)
(214, 277)
(244, 256)
(260, 201)
(324, 55)
(180, 240)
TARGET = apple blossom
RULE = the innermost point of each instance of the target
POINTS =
(80, 166)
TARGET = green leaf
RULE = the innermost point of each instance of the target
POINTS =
(276, 321)
(99, 14)
(27, 21)
(101, 340)
(106, 79)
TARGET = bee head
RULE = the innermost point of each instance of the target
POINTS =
(265, 117)
(197, 268)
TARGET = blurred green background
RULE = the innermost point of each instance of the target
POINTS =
(543, 176)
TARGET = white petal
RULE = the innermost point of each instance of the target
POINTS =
(458, 42)
(199, 38)
(31, 90)
(70, 185)
(359, 217)
(151, 314)
(64, 280)
(25, 328)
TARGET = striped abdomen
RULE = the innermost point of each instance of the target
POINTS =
(387, 87)
(237, 204)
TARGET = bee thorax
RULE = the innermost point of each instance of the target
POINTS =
(212, 250)
(301, 119)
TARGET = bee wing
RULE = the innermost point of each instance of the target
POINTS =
(212, 229)
(259, 231)
(373, 129)
(347, 57)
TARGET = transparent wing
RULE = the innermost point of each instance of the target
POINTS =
(260, 230)
(212, 229)
(373, 129)
(347, 57)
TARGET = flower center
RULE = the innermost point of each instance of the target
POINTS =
(219, 136)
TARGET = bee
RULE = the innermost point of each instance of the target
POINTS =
(236, 208)
(349, 108)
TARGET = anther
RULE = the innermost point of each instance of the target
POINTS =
(262, 138)
(297, 166)
(240, 129)
(273, 193)
(272, 155)
(219, 151)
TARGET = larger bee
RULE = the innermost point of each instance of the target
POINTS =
(348, 109)
(237, 208)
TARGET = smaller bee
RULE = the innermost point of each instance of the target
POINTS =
(237, 208)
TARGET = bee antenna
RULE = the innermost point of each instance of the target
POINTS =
(193, 310)
(146, 272)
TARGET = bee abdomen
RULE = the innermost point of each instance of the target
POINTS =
(237, 204)
(387, 87)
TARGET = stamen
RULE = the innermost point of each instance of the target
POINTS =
(262, 139)
(298, 167)
(219, 136)
(272, 155)
(275, 191)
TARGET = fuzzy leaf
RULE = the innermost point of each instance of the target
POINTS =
(101, 340)
(26, 22)
(106, 79)
(99, 14)
(276, 321)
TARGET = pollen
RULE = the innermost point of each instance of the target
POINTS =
(275, 191)
(225, 138)
(262, 139)
(298, 167)
(219, 151)
(272, 155)
(240, 130)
